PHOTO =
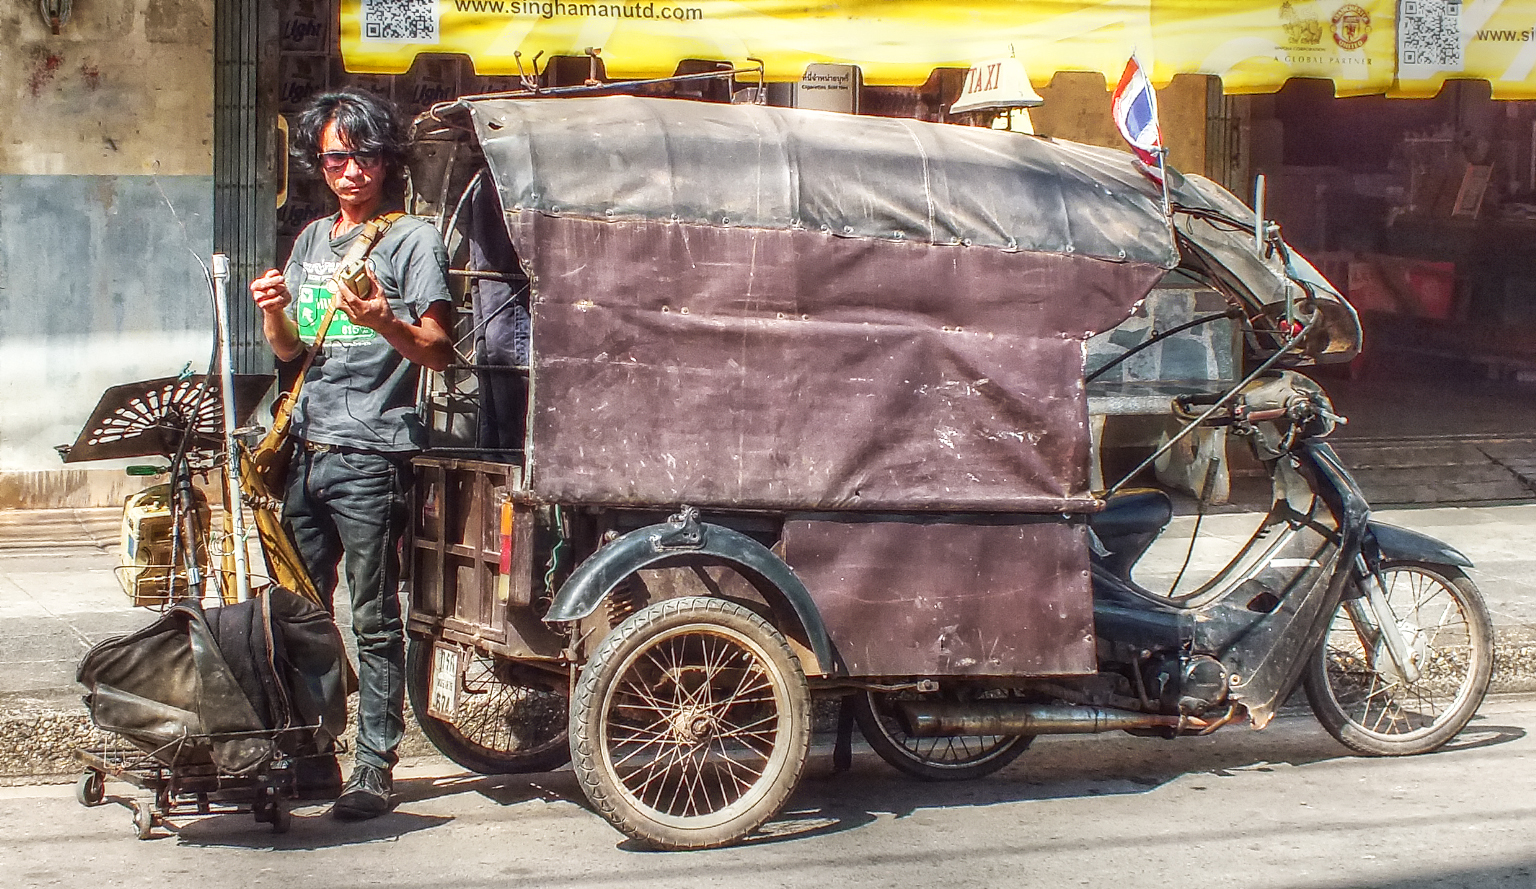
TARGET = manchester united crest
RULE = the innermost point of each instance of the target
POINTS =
(1351, 26)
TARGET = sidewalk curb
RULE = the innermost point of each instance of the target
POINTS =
(38, 743)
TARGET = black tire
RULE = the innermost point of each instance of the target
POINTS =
(717, 690)
(1353, 687)
(91, 789)
(930, 759)
(503, 729)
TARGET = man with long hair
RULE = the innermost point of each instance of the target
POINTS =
(356, 420)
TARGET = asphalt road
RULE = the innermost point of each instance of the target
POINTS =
(1280, 809)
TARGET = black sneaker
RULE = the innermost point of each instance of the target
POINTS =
(367, 794)
(316, 777)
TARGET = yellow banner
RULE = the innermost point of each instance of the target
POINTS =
(1254, 46)
(896, 42)
(1492, 40)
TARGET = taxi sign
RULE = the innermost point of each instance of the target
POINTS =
(996, 85)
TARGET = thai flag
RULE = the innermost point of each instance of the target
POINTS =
(1135, 110)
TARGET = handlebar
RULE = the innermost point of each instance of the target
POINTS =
(1299, 410)
(1190, 407)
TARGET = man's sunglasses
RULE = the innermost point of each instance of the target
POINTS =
(336, 161)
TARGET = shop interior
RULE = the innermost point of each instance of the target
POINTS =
(1424, 212)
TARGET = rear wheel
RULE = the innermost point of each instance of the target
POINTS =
(1355, 688)
(691, 724)
(931, 759)
(503, 728)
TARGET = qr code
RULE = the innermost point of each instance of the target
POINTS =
(1429, 33)
(400, 21)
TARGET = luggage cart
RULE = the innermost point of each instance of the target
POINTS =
(217, 711)
(223, 702)
(168, 792)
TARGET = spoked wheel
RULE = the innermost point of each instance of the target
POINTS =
(691, 724)
(1354, 686)
(931, 759)
(503, 728)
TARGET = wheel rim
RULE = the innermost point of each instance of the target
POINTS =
(957, 753)
(1362, 679)
(692, 725)
(507, 718)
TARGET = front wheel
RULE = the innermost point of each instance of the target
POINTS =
(503, 727)
(930, 759)
(1355, 689)
(691, 724)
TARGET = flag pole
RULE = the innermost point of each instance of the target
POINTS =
(1162, 171)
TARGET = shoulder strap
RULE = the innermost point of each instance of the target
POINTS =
(373, 231)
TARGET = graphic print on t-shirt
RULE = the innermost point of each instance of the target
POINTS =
(314, 300)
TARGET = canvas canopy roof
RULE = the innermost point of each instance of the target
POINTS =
(752, 166)
(753, 307)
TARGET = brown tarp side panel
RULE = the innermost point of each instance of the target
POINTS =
(747, 368)
(958, 596)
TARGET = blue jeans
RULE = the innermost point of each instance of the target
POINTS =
(351, 506)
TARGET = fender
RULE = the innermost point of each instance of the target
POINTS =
(1400, 543)
(595, 579)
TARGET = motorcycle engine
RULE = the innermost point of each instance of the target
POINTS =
(1187, 684)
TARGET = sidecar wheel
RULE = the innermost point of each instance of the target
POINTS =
(503, 728)
(1353, 687)
(930, 759)
(691, 724)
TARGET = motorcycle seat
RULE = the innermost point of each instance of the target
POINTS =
(1132, 512)
(1127, 525)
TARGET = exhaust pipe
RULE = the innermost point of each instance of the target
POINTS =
(941, 720)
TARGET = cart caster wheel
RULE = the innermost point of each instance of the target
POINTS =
(144, 821)
(272, 809)
(91, 789)
(274, 812)
(281, 818)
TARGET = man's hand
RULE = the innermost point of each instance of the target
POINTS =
(271, 295)
(425, 342)
(371, 311)
(270, 292)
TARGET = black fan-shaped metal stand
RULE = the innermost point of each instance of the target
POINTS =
(149, 417)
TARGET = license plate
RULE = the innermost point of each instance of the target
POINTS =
(443, 703)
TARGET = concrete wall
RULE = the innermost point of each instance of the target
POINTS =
(106, 207)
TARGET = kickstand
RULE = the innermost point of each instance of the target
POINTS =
(842, 749)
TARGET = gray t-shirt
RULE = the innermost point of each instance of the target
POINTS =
(359, 392)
